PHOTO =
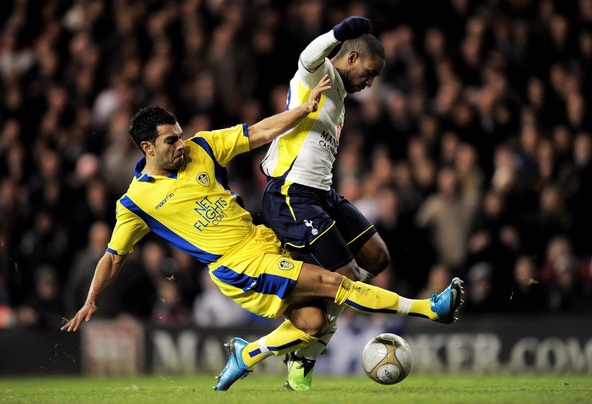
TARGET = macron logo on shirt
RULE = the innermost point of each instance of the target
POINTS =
(165, 200)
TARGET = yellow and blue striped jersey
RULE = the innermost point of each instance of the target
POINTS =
(194, 209)
(306, 153)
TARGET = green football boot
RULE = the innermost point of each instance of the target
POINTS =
(300, 371)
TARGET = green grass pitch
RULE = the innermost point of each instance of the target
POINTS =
(260, 388)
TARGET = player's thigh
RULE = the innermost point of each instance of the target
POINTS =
(256, 276)
(362, 238)
(350, 234)
(296, 213)
(329, 250)
(354, 227)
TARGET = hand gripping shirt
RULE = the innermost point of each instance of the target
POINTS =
(194, 210)
(306, 153)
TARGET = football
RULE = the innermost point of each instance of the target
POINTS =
(387, 358)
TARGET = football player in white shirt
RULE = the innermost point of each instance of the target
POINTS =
(315, 223)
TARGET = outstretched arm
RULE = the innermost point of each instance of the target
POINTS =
(315, 53)
(269, 128)
(107, 270)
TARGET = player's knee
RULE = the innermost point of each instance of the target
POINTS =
(380, 261)
(314, 325)
(375, 256)
(332, 279)
(351, 271)
(319, 329)
(323, 327)
(383, 260)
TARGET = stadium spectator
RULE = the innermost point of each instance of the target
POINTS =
(212, 309)
(168, 309)
(118, 155)
(97, 205)
(45, 243)
(482, 297)
(567, 277)
(469, 174)
(525, 294)
(187, 274)
(548, 220)
(447, 214)
(579, 193)
(42, 308)
(568, 293)
(134, 295)
(83, 265)
(494, 238)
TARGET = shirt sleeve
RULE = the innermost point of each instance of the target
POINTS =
(224, 144)
(313, 62)
(316, 52)
(129, 229)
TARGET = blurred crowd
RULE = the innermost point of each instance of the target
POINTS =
(472, 152)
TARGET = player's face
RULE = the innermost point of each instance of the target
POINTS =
(168, 148)
(361, 72)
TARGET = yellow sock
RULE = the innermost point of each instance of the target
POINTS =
(371, 299)
(286, 338)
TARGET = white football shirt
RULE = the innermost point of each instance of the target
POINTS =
(306, 153)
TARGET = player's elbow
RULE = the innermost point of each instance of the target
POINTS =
(259, 136)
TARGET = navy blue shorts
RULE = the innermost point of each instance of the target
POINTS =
(322, 226)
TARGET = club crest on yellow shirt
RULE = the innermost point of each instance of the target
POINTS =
(285, 265)
(203, 179)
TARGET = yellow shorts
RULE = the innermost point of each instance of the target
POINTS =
(257, 273)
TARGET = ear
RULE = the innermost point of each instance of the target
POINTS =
(352, 56)
(147, 147)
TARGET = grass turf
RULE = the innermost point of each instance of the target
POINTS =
(420, 388)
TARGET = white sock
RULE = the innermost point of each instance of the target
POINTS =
(364, 275)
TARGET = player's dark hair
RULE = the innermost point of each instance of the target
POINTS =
(366, 45)
(143, 125)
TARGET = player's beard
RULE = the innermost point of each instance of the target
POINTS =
(351, 88)
(179, 161)
(176, 163)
